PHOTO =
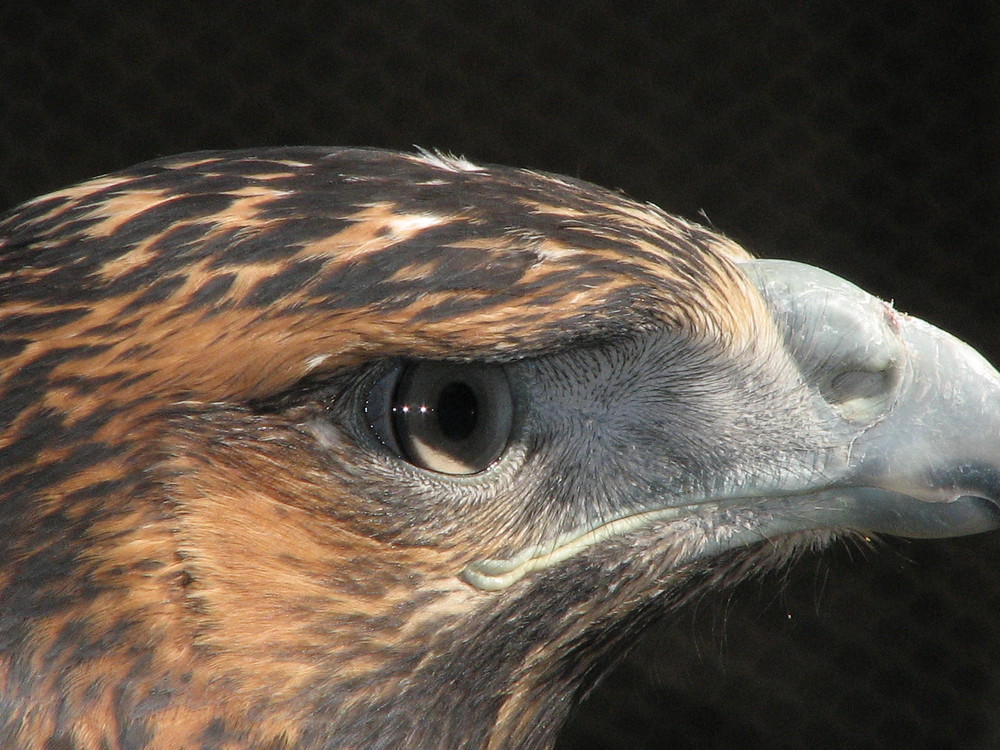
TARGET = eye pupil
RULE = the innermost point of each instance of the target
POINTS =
(456, 411)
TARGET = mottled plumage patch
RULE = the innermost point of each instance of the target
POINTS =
(141, 312)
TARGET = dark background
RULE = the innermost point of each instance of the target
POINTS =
(862, 137)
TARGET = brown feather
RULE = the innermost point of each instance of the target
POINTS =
(180, 569)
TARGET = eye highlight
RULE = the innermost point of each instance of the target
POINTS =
(448, 418)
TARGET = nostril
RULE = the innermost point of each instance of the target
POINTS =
(861, 394)
(857, 384)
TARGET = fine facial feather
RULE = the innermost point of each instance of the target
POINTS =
(210, 544)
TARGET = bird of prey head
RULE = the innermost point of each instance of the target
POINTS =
(309, 448)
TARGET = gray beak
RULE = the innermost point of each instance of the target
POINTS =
(920, 409)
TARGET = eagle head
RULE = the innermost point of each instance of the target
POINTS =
(306, 448)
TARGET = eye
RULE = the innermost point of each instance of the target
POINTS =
(453, 419)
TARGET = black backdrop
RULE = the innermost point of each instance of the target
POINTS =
(861, 137)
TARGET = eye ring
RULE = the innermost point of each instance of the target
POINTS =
(443, 417)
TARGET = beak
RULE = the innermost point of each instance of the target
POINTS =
(920, 408)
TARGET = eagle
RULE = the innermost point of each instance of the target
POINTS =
(342, 448)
